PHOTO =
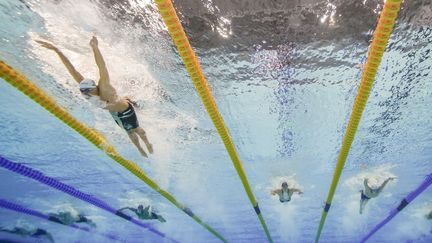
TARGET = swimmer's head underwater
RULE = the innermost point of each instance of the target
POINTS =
(88, 87)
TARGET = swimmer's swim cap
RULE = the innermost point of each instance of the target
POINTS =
(87, 84)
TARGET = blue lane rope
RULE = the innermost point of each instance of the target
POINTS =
(49, 181)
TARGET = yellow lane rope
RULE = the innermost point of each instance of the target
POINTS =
(39, 96)
(191, 62)
(376, 50)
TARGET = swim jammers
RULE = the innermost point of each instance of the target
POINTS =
(126, 119)
(363, 196)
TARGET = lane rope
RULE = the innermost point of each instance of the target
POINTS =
(408, 199)
(21, 209)
(24, 85)
(379, 42)
(54, 183)
(191, 62)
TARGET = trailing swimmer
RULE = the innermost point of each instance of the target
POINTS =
(67, 218)
(144, 213)
(371, 192)
(285, 192)
(104, 96)
(39, 235)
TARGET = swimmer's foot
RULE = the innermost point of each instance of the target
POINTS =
(91, 224)
(161, 219)
(150, 147)
(143, 153)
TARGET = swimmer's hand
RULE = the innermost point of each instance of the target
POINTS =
(94, 42)
(46, 45)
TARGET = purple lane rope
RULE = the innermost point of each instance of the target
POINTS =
(49, 181)
(425, 184)
(21, 209)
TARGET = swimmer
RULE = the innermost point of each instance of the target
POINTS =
(370, 192)
(429, 215)
(68, 218)
(285, 192)
(104, 95)
(144, 213)
(36, 233)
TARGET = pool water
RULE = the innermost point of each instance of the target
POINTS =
(284, 75)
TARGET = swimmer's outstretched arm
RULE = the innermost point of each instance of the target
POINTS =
(275, 192)
(385, 183)
(297, 190)
(103, 71)
(121, 209)
(75, 74)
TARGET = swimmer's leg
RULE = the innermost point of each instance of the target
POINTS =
(363, 203)
(160, 218)
(134, 138)
(84, 219)
(143, 136)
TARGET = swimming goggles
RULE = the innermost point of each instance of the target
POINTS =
(86, 90)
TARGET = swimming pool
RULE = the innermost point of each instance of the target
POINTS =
(284, 75)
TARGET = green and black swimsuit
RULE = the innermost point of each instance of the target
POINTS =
(126, 119)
